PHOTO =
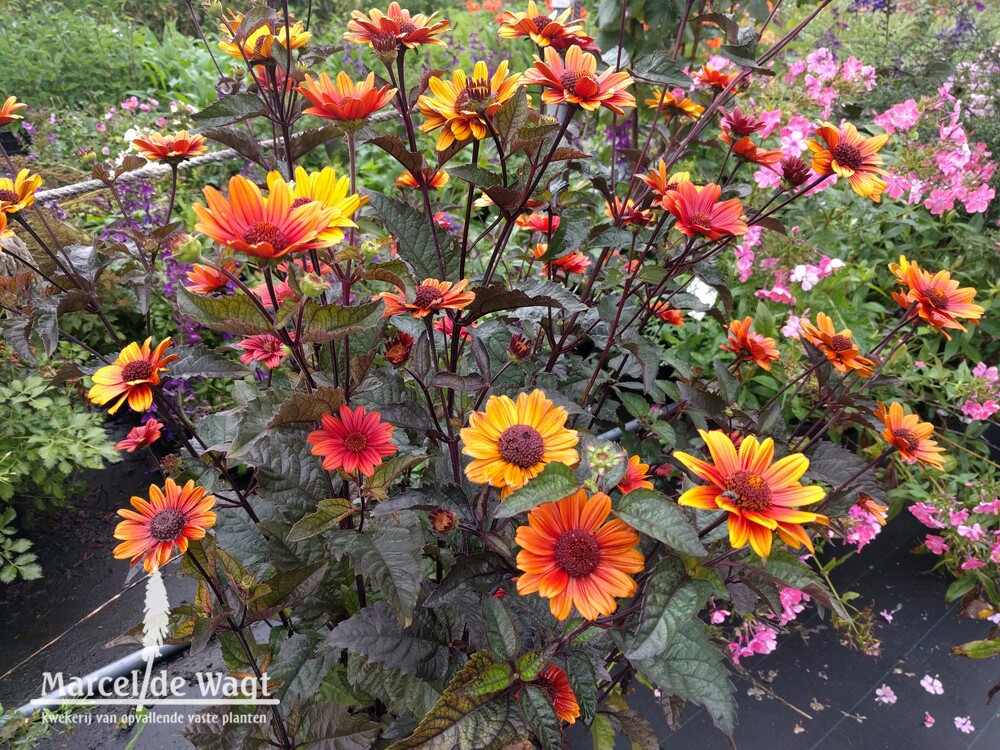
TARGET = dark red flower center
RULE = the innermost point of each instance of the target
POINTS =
(383, 42)
(442, 520)
(577, 552)
(541, 22)
(937, 297)
(167, 525)
(301, 201)
(905, 439)
(10, 196)
(701, 221)
(840, 343)
(140, 369)
(478, 90)
(848, 155)
(571, 79)
(426, 296)
(750, 490)
(522, 446)
(356, 442)
(265, 231)
(406, 27)
(397, 353)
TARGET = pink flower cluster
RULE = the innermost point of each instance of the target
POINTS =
(970, 534)
(753, 637)
(943, 172)
(861, 527)
(983, 393)
(826, 79)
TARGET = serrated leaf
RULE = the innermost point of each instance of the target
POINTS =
(391, 558)
(501, 635)
(481, 573)
(477, 176)
(328, 515)
(541, 716)
(329, 726)
(554, 482)
(286, 588)
(471, 383)
(729, 386)
(574, 228)
(580, 672)
(376, 634)
(415, 241)
(323, 323)
(634, 404)
(308, 407)
(497, 297)
(233, 313)
(512, 116)
(653, 514)
(229, 109)
(206, 363)
(394, 146)
(692, 668)
(657, 67)
(468, 717)
(671, 600)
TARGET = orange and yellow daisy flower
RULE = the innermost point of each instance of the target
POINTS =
(257, 44)
(636, 476)
(432, 295)
(556, 685)
(433, 179)
(842, 352)
(19, 193)
(537, 222)
(131, 376)
(140, 437)
(848, 154)
(463, 105)
(512, 441)
(666, 313)
(384, 32)
(939, 300)
(575, 81)
(660, 183)
(760, 496)
(910, 436)
(877, 510)
(355, 441)
(570, 263)
(542, 28)
(711, 78)
(205, 279)
(172, 149)
(169, 520)
(574, 557)
(674, 103)
(750, 346)
(750, 151)
(629, 214)
(698, 211)
(8, 108)
(263, 228)
(330, 193)
(345, 101)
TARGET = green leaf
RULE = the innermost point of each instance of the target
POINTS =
(541, 716)
(554, 482)
(512, 116)
(376, 634)
(289, 476)
(580, 672)
(308, 407)
(416, 243)
(634, 404)
(480, 573)
(329, 726)
(476, 176)
(729, 386)
(206, 363)
(978, 649)
(286, 589)
(391, 558)
(501, 635)
(328, 515)
(692, 668)
(603, 733)
(655, 515)
(475, 713)
(574, 228)
(323, 323)
(229, 109)
(671, 600)
(497, 297)
(401, 693)
(234, 313)
(657, 67)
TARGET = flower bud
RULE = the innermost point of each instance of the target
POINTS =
(397, 349)
(312, 286)
(187, 250)
(519, 347)
(86, 155)
(794, 171)
(603, 457)
(443, 521)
